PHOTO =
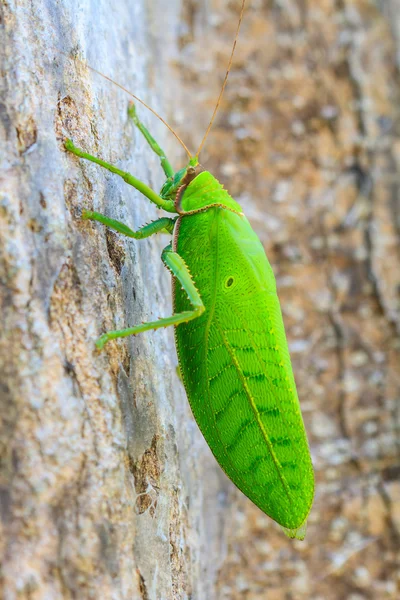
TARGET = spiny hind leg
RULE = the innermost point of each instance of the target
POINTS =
(168, 170)
(175, 263)
(167, 205)
(164, 224)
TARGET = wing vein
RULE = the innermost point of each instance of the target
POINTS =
(261, 361)
(256, 413)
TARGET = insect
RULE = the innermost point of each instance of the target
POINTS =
(230, 339)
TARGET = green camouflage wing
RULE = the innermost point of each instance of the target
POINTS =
(236, 367)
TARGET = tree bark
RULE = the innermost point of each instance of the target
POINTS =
(107, 488)
(101, 461)
(307, 141)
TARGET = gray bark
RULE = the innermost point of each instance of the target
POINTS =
(97, 501)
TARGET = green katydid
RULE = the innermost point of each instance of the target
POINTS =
(231, 344)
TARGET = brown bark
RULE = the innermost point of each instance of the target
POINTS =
(308, 141)
(107, 488)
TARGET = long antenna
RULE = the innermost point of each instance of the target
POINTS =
(132, 96)
(225, 80)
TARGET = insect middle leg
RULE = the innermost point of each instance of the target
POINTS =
(175, 263)
(167, 205)
(168, 170)
(165, 224)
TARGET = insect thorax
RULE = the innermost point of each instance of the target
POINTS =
(204, 190)
(196, 188)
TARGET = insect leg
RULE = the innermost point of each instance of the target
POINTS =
(167, 205)
(168, 170)
(164, 224)
(175, 263)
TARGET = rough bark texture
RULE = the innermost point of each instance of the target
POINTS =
(107, 489)
(308, 141)
(103, 471)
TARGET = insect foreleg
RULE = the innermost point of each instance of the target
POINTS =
(175, 263)
(168, 170)
(164, 224)
(167, 205)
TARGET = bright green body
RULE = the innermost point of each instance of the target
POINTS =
(235, 362)
(230, 338)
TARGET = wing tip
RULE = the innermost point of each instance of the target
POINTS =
(296, 534)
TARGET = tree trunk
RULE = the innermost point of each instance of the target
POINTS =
(102, 470)
(107, 488)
